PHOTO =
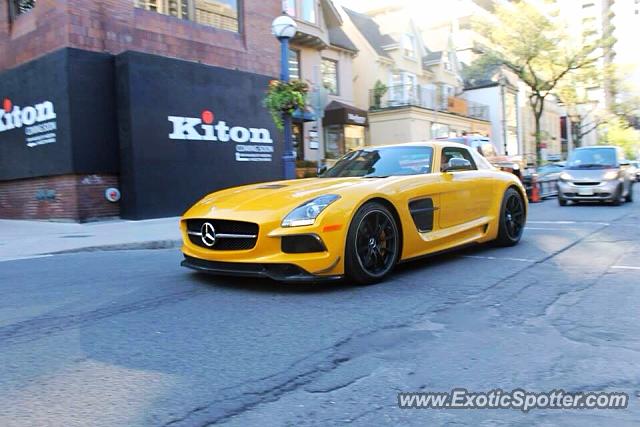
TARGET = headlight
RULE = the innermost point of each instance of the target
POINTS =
(565, 177)
(307, 213)
(609, 175)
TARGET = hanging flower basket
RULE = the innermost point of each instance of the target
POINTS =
(285, 98)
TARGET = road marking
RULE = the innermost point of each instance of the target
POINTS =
(625, 267)
(25, 257)
(499, 258)
(548, 228)
(568, 222)
(551, 222)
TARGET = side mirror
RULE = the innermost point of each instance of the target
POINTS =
(322, 169)
(457, 164)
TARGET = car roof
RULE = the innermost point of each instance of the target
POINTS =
(431, 143)
(597, 147)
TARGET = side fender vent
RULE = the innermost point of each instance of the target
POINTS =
(422, 213)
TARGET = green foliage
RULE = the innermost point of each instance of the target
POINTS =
(285, 98)
(619, 133)
(535, 47)
(482, 68)
(379, 89)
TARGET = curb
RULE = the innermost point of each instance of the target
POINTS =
(150, 244)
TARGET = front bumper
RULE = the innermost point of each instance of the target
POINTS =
(602, 191)
(268, 251)
(280, 272)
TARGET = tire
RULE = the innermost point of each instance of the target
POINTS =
(629, 197)
(373, 244)
(512, 219)
(617, 199)
(561, 201)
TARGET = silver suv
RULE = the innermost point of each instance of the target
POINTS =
(596, 173)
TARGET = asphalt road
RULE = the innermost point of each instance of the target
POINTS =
(128, 338)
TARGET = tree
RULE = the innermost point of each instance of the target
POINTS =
(589, 115)
(535, 48)
(620, 133)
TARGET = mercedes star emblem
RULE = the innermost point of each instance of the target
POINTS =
(208, 234)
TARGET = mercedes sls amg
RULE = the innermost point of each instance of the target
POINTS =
(375, 207)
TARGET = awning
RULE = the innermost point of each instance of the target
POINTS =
(337, 113)
(300, 116)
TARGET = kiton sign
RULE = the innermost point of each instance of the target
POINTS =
(37, 120)
(249, 141)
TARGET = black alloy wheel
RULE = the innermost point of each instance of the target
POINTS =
(373, 244)
(512, 218)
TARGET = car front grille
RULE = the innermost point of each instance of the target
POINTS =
(589, 183)
(229, 235)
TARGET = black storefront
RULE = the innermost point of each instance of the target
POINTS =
(170, 130)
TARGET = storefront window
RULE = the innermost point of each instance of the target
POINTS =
(294, 64)
(330, 75)
(298, 140)
(339, 140)
(353, 138)
(221, 14)
(334, 142)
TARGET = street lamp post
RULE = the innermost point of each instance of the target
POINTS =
(284, 28)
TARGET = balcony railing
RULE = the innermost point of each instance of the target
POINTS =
(426, 97)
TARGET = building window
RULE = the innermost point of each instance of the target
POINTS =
(308, 10)
(409, 46)
(439, 130)
(294, 64)
(221, 14)
(330, 75)
(289, 7)
(17, 7)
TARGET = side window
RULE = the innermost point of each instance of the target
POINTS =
(449, 153)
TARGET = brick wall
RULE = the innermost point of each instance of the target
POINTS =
(71, 197)
(116, 25)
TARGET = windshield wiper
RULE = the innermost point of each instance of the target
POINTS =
(376, 176)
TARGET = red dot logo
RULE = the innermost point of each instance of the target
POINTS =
(207, 117)
(7, 105)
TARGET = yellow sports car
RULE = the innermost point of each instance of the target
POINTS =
(375, 207)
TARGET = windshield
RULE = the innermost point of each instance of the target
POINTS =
(596, 158)
(383, 162)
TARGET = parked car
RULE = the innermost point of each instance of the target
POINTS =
(597, 173)
(547, 178)
(483, 145)
(636, 169)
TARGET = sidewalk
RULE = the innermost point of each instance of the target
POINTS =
(24, 239)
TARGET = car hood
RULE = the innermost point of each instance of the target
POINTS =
(588, 174)
(271, 198)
